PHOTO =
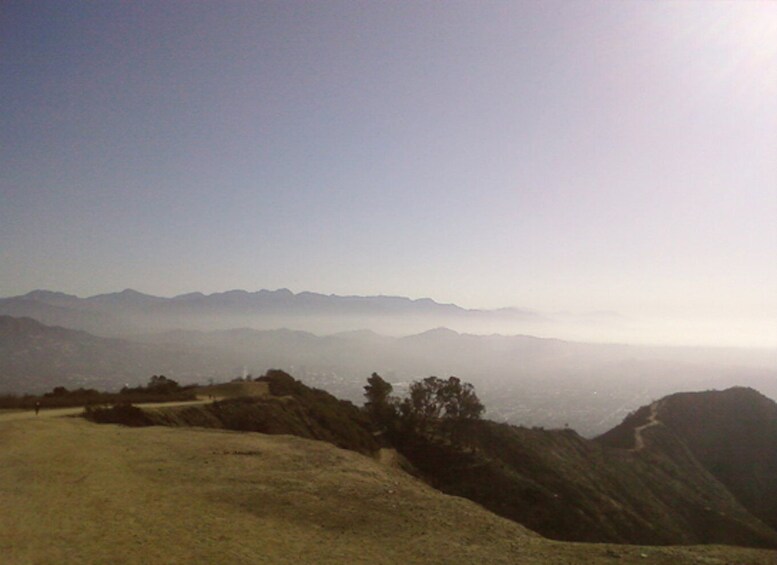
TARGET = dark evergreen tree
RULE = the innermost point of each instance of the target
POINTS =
(434, 400)
(379, 405)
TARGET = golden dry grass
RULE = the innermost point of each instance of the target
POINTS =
(76, 492)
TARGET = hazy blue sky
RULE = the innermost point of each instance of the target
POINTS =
(562, 156)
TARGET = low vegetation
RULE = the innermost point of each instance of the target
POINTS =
(124, 414)
(289, 408)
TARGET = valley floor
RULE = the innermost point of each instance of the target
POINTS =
(76, 492)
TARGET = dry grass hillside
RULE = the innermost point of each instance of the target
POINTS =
(76, 492)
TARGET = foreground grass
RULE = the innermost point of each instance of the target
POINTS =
(76, 492)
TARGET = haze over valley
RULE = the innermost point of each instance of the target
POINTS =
(523, 379)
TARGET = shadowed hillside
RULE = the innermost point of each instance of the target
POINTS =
(566, 487)
(732, 433)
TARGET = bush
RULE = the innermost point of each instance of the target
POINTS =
(158, 385)
(124, 414)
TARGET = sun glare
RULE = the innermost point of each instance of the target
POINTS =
(733, 45)
(745, 34)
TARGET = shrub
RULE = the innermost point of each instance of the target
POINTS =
(124, 414)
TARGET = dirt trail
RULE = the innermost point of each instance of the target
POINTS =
(210, 394)
(639, 440)
(73, 492)
(13, 415)
(388, 457)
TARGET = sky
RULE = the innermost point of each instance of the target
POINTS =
(568, 156)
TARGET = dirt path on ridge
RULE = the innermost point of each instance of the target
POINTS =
(13, 415)
(639, 440)
(219, 392)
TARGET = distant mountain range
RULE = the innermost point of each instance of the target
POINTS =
(127, 312)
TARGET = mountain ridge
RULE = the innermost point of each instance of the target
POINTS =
(119, 314)
(46, 295)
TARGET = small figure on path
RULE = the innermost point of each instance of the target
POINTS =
(37, 408)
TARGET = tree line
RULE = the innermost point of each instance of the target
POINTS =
(432, 406)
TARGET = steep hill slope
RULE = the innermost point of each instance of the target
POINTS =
(732, 433)
(566, 487)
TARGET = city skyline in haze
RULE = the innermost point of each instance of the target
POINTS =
(556, 156)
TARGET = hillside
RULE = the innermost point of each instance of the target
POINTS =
(84, 493)
(732, 433)
(555, 482)
(35, 358)
(289, 407)
(566, 487)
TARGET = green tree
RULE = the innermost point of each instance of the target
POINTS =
(421, 405)
(379, 405)
(162, 385)
(459, 400)
(434, 400)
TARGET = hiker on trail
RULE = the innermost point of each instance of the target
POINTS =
(37, 408)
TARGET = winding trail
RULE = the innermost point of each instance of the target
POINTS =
(639, 440)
